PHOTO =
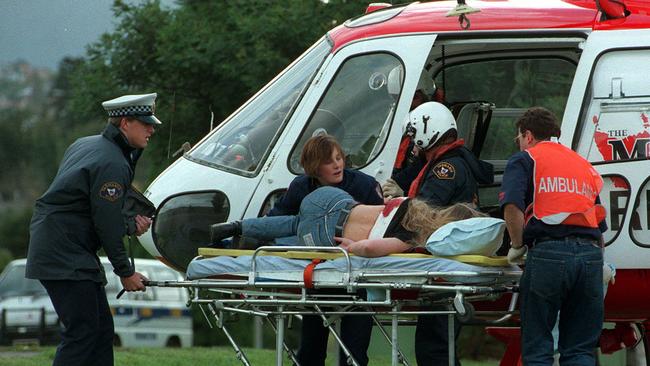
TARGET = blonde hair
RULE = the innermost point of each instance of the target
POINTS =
(423, 219)
(317, 151)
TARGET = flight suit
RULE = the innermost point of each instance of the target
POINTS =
(451, 178)
(79, 214)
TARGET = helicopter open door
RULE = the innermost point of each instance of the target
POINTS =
(361, 97)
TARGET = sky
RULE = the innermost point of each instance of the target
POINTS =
(42, 32)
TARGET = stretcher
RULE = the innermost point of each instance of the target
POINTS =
(279, 283)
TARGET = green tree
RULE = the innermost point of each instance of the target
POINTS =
(200, 57)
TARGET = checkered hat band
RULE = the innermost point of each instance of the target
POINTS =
(136, 110)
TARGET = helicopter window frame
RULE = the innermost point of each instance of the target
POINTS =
(584, 135)
(319, 53)
(382, 134)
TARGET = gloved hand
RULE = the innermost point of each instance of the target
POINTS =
(609, 273)
(392, 189)
(516, 255)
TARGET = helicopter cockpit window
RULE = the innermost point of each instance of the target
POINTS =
(357, 108)
(246, 138)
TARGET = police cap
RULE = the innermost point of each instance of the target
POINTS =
(139, 106)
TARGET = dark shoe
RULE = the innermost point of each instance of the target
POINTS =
(224, 230)
(249, 243)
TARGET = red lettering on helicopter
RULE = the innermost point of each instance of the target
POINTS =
(630, 147)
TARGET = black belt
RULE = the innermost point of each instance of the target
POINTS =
(569, 238)
(343, 218)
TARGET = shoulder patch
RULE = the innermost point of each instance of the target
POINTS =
(444, 170)
(111, 191)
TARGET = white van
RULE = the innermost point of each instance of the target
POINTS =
(158, 317)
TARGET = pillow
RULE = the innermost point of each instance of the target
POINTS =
(478, 235)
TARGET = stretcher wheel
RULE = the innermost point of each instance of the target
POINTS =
(469, 313)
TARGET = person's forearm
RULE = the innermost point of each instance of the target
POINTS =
(515, 223)
(378, 247)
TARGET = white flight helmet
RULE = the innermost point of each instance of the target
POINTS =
(428, 123)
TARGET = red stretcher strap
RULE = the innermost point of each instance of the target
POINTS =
(308, 274)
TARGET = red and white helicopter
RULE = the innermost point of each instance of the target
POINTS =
(587, 60)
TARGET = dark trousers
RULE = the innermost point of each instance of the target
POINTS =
(355, 332)
(87, 335)
(431, 340)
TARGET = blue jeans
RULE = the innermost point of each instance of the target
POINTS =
(315, 224)
(565, 276)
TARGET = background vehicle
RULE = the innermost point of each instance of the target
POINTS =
(158, 317)
(26, 312)
(155, 318)
(589, 66)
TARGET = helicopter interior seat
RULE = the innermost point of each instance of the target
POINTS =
(473, 121)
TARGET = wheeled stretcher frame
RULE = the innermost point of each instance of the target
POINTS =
(278, 300)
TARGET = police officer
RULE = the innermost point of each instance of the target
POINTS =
(81, 213)
(550, 201)
(450, 174)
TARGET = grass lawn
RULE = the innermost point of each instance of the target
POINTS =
(223, 356)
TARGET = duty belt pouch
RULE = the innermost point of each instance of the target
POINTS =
(136, 203)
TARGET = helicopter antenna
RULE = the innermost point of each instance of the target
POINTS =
(461, 10)
(211, 117)
(171, 126)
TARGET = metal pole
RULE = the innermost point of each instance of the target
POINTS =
(258, 333)
(389, 338)
(451, 339)
(394, 345)
(279, 340)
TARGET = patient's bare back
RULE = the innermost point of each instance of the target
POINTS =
(360, 221)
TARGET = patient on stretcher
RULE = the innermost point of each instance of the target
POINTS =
(330, 216)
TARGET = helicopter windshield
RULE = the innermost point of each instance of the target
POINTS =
(245, 139)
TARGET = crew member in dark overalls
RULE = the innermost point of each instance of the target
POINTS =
(81, 213)
(450, 175)
(550, 201)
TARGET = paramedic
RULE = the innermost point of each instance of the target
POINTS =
(323, 160)
(80, 214)
(553, 208)
(450, 175)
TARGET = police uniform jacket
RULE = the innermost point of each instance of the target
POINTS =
(454, 177)
(81, 212)
(362, 187)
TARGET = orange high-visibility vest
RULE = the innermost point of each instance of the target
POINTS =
(566, 187)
